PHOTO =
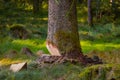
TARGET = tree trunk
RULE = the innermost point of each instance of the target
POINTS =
(35, 6)
(98, 13)
(63, 37)
(90, 22)
(112, 2)
(114, 9)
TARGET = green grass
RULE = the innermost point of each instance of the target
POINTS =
(65, 71)
(97, 40)
(88, 46)
(100, 37)
(101, 72)
(33, 44)
(36, 44)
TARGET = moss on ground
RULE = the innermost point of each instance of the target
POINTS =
(65, 71)
(101, 72)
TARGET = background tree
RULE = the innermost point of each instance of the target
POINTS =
(90, 22)
(98, 13)
(37, 6)
(63, 37)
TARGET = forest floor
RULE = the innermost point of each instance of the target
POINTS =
(100, 40)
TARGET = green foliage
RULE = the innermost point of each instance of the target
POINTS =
(65, 71)
(110, 30)
(102, 40)
(111, 56)
(4, 74)
(33, 44)
(59, 71)
(101, 72)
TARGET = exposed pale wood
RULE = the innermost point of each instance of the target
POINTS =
(53, 50)
(18, 67)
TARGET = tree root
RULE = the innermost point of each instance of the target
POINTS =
(52, 60)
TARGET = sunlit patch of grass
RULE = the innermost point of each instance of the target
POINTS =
(34, 45)
(100, 46)
(14, 57)
(45, 19)
(87, 46)
(39, 44)
(7, 61)
(44, 5)
(82, 20)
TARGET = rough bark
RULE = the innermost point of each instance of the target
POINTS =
(63, 37)
(90, 22)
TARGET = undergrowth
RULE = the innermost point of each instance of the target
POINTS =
(57, 72)
(65, 72)
(100, 40)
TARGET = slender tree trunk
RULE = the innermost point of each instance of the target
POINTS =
(98, 13)
(35, 6)
(114, 8)
(40, 7)
(90, 22)
(113, 3)
(63, 37)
